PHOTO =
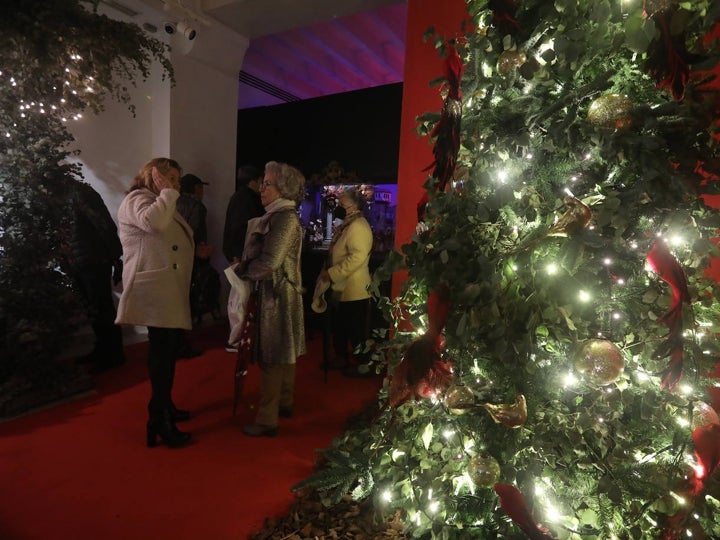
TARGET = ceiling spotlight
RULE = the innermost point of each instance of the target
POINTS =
(169, 27)
(186, 30)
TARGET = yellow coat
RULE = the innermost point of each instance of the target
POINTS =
(350, 256)
(158, 251)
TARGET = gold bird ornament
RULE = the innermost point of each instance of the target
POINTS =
(575, 218)
(512, 415)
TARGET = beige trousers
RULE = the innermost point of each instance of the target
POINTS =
(277, 389)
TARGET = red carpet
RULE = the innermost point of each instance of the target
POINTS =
(80, 470)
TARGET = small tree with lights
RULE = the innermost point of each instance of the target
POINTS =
(58, 58)
(554, 383)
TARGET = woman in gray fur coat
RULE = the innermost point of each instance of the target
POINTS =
(272, 259)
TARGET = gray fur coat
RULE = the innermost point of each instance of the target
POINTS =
(272, 259)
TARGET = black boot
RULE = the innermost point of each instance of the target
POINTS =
(164, 427)
(178, 415)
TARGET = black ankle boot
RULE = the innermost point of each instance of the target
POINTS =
(164, 427)
(178, 415)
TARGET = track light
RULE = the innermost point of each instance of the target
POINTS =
(186, 30)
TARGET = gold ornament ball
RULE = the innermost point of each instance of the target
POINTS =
(600, 361)
(484, 470)
(613, 111)
(509, 60)
(459, 398)
(703, 415)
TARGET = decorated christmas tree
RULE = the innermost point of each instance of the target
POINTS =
(548, 372)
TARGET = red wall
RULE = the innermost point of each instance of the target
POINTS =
(422, 64)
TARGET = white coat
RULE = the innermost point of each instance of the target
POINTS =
(158, 251)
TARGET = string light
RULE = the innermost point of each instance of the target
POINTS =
(551, 269)
(584, 296)
(570, 380)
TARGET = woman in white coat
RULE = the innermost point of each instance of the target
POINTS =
(158, 253)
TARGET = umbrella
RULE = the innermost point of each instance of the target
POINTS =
(246, 346)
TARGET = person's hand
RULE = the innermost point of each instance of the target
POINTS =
(324, 275)
(161, 181)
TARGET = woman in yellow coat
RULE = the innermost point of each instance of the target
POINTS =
(158, 253)
(349, 274)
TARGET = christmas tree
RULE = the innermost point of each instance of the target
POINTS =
(548, 372)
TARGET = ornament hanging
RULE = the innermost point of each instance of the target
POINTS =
(509, 61)
(600, 361)
(575, 218)
(483, 470)
(459, 398)
(703, 415)
(612, 111)
(512, 415)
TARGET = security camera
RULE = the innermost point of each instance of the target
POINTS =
(169, 27)
(186, 30)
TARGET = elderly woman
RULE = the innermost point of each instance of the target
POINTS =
(158, 253)
(272, 259)
(348, 271)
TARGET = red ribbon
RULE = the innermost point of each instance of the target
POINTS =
(447, 130)
(667, 267)
(422, 371)
(513, 504)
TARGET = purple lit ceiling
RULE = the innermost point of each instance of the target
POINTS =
(339, 55)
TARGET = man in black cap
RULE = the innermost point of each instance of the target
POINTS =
(205, 282)
(190, 206)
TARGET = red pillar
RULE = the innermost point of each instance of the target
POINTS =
(422, 64)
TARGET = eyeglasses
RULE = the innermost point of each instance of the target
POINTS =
(266, 185)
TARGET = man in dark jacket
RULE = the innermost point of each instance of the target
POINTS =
(205, 283)
(243, 206)
(96, 262)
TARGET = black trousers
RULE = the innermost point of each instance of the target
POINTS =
(162, 355)
(95, 284)
(351, 326)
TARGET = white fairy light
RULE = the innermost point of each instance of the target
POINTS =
(584, 296)
(620, 281)
(617, 316)
(448, 433)
(569, 380)
(433, 507)
(551, 269)
(396, 454)
(682, 421)
(678, 498)
(502, 176)
(677, 240)
(607, 261)
(387, 495)
(686, 389)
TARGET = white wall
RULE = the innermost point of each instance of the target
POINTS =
(193, 122)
